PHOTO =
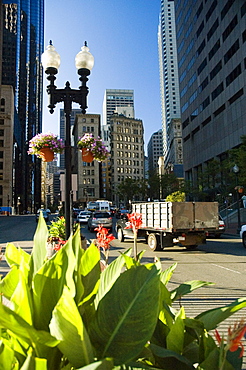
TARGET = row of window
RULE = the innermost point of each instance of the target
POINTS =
(219, 110)
(126, 138)
(129, 170)
(128, 154)
(214, 49)
(217, 91)
(126, 146)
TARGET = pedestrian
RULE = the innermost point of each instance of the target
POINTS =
(244, 201)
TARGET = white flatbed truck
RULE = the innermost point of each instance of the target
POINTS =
(166, 224)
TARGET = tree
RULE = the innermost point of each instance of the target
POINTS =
(177, 196)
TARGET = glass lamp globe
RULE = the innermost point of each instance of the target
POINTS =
(84, 59)
(50, 58)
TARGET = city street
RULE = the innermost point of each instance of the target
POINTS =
(221, 261)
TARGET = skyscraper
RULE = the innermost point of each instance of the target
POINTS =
(169, 83)
(23, 32)
(155, 150)
(211, 44)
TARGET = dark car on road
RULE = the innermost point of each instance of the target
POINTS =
(100, 218)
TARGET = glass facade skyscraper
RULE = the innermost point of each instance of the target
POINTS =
(23, 41)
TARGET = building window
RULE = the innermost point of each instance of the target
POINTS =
(217, 91)
(1, 165)
(1, 154)
(1, 143)
(1, 132)
(229, 54)
(215, 70)
(230, 28)
(1, 121)
(233, 75)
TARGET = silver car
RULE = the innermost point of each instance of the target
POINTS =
(83, 216)
(100, 218)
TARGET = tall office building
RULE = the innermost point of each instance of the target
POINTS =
(169, 84)
(22, 46)
(155, 150)
(211, 44)
(116, 101)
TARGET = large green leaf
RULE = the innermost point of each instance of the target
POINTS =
(14, 256)
(90, 273)
(34, 363)
(22, 300)
(126, 316)
(48, 285)
(187, 287)
(6, 357)
(106, 364)
(67, 326)
(175, 337)
(170, 360)
(167, 274)
(212, 318)
(9, 283)
(39, 250)
(17, 325)
(109, 276)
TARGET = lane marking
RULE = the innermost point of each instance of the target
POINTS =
(225, 268)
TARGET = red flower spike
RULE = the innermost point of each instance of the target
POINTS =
(135, 221)
(103, 237)
(235, 336)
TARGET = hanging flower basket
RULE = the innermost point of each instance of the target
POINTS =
(93, 145)
(42, 144)
(87, 155)
(47, 154)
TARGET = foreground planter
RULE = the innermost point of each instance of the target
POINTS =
(47, 154)
(87, 155)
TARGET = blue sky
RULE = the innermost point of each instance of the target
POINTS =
(122, 36)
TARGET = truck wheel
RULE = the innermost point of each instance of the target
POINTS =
(154, 242)
(120, 235)
(244, 240)
(191, 247)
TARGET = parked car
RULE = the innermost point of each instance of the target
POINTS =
(221, 229)
(100, 218)
(83, 216)
(243, 235)
(45, 215)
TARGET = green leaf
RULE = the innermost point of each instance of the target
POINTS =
(90, 273)
(126, 316)
(6, 357)
(39, 250)
(212, 318)
(108, 277)
(187, 287)
(34, 363)
(22, 300)
(9, 283)
(175, 337)
(48, 285)
(17, 325)
(14, 256)
(106, 364)
(167, 274)
(67, 326)
(170, 360)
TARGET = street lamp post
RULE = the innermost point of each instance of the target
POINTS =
(235, 169)
(84, 62)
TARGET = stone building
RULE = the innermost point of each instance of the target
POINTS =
(89, 174)
(127, 150)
